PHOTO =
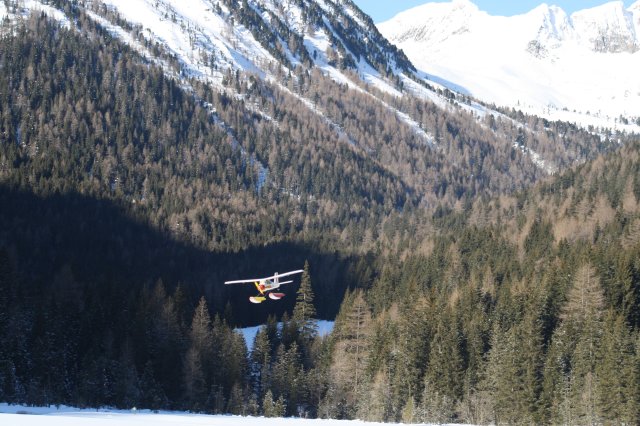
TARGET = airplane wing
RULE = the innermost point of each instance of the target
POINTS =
(288, 273)
(244, 281)
(264, 279)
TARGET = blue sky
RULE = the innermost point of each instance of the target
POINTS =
(382, 10)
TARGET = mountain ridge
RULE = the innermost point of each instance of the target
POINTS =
(539, 61)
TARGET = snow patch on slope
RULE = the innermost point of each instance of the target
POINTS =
(23, 8)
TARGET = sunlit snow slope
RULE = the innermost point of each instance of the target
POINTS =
(544, 62)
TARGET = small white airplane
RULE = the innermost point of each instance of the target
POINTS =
(265, 285)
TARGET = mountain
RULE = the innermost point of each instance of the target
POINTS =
(210, 37)
(293, 107)
(579, 67)
(481, 263)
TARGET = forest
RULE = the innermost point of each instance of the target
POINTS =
(466, 284)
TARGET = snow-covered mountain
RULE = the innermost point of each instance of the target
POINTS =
(580, 67)
(290, 44)
(212, 37)
(540, 62)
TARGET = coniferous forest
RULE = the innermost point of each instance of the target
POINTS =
(471, 291)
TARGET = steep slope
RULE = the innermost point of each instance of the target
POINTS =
(577, 206)
(512, 300)
(205, 133)
(268, 108)
(579, 68)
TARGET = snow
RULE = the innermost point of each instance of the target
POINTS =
(249, 333)
(189, 28)
(28, 5)
(68, 416)
(196, 27)
(542, 62)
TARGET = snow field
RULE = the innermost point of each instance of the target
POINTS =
(68, 416)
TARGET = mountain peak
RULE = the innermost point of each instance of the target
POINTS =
(464, 4)
(424, 21)
(607, 28)
(543, 57)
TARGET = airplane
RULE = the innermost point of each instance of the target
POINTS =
(265, 285)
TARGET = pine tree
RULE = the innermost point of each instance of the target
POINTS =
(513, 376)
(444, 375)
(411, 337)
(289, 332)
(197, 367)
(268, 405)
(375, 406)
(229, 361)
(237, 401)
(570, 388)
(304, 312)
(303, 317)
(127, 382)
(152, 395)
(6, 288)
(409, 411)
(195, 385)
(261, 363)
(616, 373)
(8, 379)
(351, 352)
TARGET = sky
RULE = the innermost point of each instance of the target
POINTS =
(382, 10)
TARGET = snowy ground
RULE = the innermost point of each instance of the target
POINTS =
(14, 415)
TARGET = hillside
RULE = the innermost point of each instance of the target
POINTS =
(295, 147)
(451, 242)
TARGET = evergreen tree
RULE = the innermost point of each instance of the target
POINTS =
(152, 395)
(513, 376)
(444, 375)
(375, 406)
(237, 404)
(288, 379)
(303, 317)
(409, 411)
(269, 405)
(127, 381)
(570, 376)
(229, 359)
(195, 385)
(261, 363)
(350, 354)
(617, 374)
(412, 339)
(304, 311)
(197, 364)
